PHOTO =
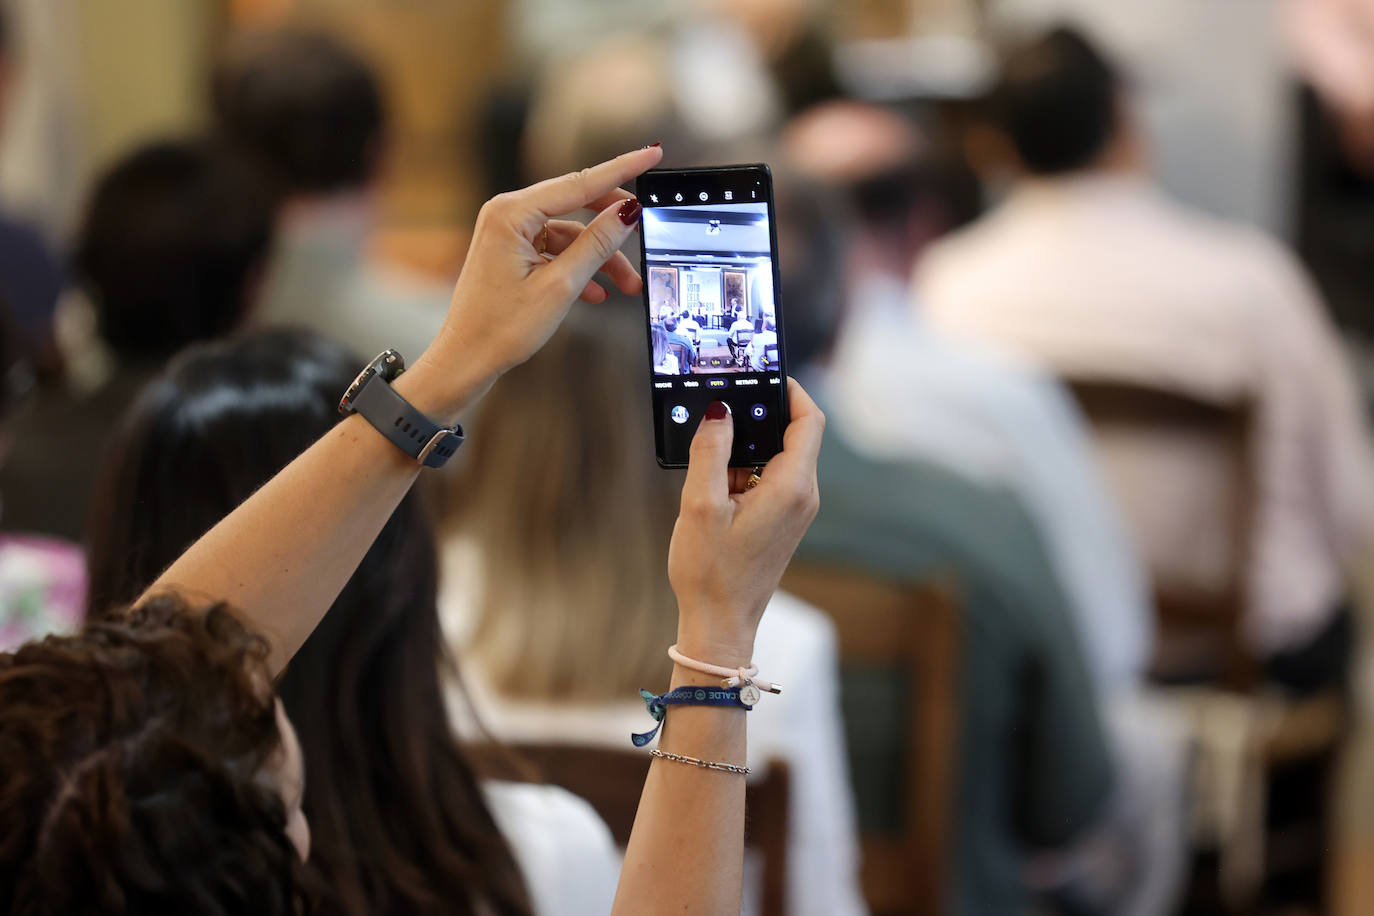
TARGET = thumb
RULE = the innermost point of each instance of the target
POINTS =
(708, 469)
(597, 243)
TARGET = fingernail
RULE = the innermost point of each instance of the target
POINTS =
(718, 410)
(652, 145)
(629, 212)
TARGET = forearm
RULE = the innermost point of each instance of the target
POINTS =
(283, 556)
(686, 850)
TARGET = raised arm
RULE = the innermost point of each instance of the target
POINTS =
(729, 550)
(285, 554)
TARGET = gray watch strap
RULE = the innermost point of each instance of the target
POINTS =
(411, 431)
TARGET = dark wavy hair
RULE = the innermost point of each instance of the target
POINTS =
(131, 762)
(398, 820)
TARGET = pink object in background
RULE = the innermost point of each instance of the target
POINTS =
(42, 588)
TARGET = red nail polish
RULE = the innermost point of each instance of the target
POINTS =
(718, 410)
(629, 212)
(652, 145)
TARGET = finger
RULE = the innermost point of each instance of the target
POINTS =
(708, 468)
(563, 233)
(594, 293)
(576, 190)
(801, 443)
(594, 246)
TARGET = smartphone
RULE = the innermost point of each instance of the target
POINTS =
(709, 258)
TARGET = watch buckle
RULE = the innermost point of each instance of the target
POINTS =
(432, 444)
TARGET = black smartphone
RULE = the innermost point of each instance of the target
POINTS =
(709, 257)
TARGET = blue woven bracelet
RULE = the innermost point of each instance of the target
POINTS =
(685, 696)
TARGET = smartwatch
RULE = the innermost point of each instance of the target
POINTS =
(372, 396)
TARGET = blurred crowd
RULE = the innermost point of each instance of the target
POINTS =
(1094, 353)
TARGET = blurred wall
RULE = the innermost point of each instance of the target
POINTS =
(93, 78)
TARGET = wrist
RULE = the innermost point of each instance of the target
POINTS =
(442, 387)
(716, 647)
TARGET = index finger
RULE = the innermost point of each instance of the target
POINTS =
(587, 188)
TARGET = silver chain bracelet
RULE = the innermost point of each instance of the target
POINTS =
(703, 764)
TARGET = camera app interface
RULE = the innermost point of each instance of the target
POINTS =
(714, 327)
(710, 279)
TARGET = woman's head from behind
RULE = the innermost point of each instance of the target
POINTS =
(144, 768)
(572, 516)
(364, 691)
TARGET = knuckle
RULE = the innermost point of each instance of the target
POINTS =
(561, 284)
(497, 205)
(698, 506)
(602, 243)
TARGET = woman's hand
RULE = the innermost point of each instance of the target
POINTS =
(523, 270)
(731, 545)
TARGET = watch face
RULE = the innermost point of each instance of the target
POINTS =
(389, 363)
(346, 404)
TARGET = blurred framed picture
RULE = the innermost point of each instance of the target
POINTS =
(663, 292)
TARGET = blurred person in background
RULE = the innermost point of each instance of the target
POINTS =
(30, 277)
(42, 579)
(171, 247)
(1034, 769)
(311, 111)
(557, 602)
(910, 390)
(1087, 271)
(907, 391)
(399, 823)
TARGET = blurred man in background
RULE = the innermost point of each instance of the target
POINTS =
(908, 392)
(174, 239)
(1034, 769)
(1089, 272)
(912, 391)
(311, 111)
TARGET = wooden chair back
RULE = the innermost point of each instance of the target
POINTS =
(1198, 628)
(683, 356)
(913, 630)
(611, 779)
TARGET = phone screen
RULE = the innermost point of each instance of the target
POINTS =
(710, 269)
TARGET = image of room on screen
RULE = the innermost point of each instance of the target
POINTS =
(710, 280)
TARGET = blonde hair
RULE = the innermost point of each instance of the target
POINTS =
(572, 517)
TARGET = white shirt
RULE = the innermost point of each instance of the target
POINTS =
(796, 647)
(689, 328)
(743, 324)
(565, 852)
(1104, 277)
(905, 390)
(758, 348)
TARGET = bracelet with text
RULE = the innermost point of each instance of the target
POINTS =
(685, 696)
